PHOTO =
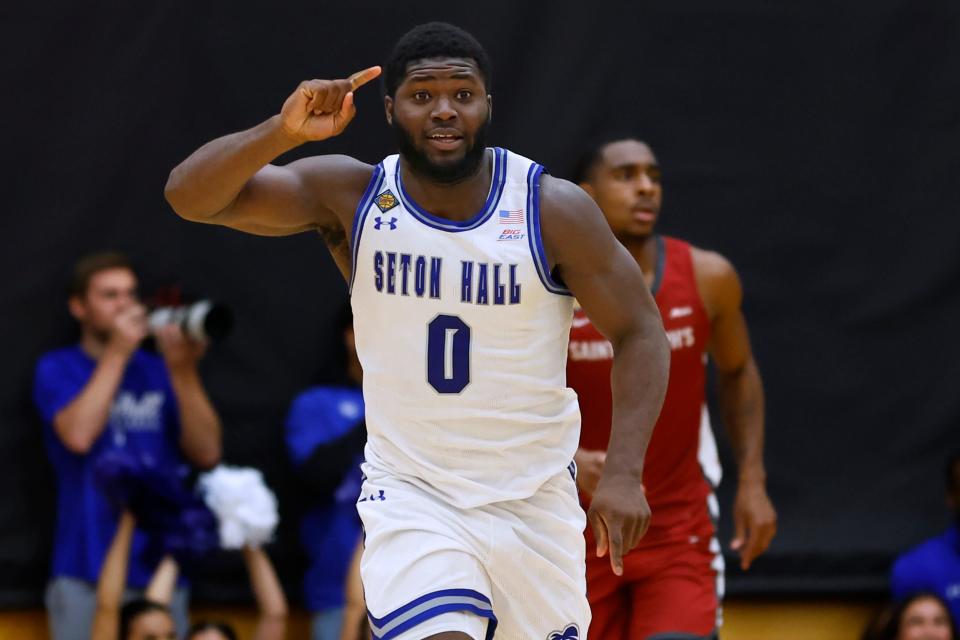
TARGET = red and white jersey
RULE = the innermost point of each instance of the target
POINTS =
(674, 481)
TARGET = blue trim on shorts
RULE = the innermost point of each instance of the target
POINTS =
(430, 606)
(360, 216)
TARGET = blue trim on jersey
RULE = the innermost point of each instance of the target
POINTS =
(360, 216)
(533, 232)
(430, 606)
(444, 224)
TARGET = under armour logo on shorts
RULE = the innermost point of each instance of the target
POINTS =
(392, 222)
(377, 496)
(572, 632)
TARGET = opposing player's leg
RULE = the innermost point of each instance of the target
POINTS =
(537, 564)
(609, 597)
(421, 566)
(678, 600)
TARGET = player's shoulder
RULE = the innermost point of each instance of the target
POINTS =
(712, 267)
(711, 263)
(564, 205)
(344, 170)
(557, 191)
(339, 181)
(717, 279)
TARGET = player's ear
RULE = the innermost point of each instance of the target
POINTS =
(388, 108)
(489, 108)
(77, 309)
(586, 186)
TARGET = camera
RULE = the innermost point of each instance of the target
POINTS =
(204, 320)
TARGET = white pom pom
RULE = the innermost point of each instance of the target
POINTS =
(245, 508)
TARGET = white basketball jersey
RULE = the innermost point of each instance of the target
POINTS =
(462, 334)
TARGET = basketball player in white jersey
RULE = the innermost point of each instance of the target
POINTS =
(462, 263)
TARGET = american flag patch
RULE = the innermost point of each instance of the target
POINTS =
(511, 217)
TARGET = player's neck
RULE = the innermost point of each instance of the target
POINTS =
(458, 201)
(644, 251)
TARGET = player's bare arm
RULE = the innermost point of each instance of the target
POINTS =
(230, 182)
(586, 256)
(741, 401)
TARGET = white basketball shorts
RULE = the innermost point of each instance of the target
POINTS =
(512, 570)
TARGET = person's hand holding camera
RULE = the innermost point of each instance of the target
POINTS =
(129, 330)
(178, 350)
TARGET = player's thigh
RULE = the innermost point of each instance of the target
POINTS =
(421, 565)
(609, 597)
(537, 565)
(680, 599)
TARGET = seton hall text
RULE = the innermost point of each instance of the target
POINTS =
(406, 274)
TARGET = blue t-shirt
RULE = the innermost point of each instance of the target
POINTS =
(143, 421)
(934, 566)
(330, 532)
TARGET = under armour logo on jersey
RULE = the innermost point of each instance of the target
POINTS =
(572, 632)
(379, 222)
(373, 497)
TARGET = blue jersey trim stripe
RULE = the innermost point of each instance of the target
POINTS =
(496, 190)
(429, 606)
(360, 216)
(533, 232)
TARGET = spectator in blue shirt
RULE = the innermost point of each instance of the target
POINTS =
(934, 565)
(102, 395)
(325, 435)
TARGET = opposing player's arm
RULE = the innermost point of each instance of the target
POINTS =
(230, 182)
(740, 392)
(609, 285)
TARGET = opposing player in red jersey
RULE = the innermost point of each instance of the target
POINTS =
(671, 585)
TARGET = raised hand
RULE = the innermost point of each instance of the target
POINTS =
(178, 350)
(321, 109)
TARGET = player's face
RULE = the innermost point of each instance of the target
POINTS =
(925, 619)
(153, 625)
(626, 186)
(440, 113)
(109, 293)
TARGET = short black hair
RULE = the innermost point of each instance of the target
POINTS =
(433, 40)
(134, 609)
(593, 149)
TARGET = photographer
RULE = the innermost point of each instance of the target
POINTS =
(105, 394)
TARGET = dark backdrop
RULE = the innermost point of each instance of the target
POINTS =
(816, 147)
